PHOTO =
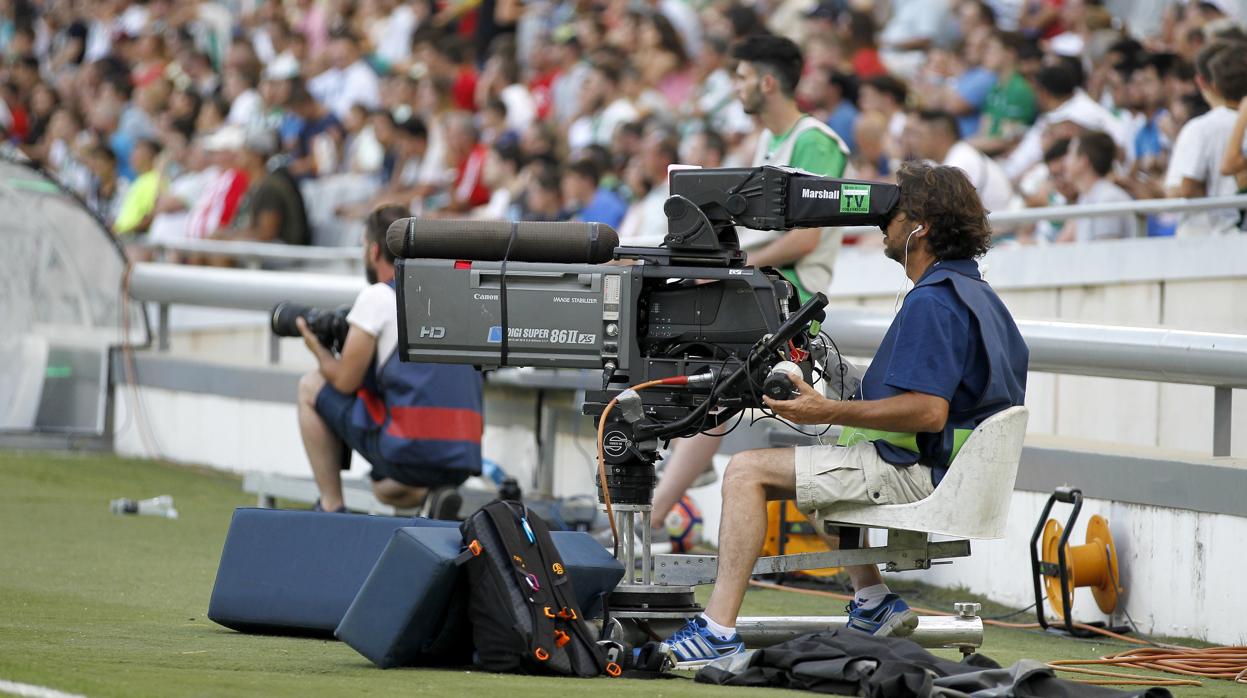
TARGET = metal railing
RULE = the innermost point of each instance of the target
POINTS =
(1138, 207)
(253, 254)
(1166, 356)
(171, 284)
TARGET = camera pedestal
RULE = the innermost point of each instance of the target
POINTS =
(638, 595)
(656, 594)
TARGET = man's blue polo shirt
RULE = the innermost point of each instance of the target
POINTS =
(954, 339)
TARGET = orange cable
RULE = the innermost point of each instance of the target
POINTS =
(606, 492)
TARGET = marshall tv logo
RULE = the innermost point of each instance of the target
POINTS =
(856, 198)
(819, 194)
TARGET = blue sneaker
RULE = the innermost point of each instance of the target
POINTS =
(694, 644)
(891, 618)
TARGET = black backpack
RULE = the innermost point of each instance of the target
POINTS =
(523, 611)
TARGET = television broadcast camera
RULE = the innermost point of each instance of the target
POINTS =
(686, 335)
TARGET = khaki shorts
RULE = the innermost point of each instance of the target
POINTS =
(830, 474)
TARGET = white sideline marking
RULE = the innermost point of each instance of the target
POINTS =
(28, 691)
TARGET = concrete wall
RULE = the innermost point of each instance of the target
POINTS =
(251, 435)
(1180, 570)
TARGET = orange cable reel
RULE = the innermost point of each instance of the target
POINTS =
(1093, 564)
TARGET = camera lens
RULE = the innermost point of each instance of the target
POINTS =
(284, 315)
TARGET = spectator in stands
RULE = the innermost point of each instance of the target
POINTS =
(1061, 101)
(645, 220)
(1047, 185)
(138, 208)
(492, 117)
(246, 105)
(348, 81)
(419, 425)
(132, 72)
(543, 199)
(841, 102)
(829, 96)
(713, 99)
(703, 149)
(217, 205)
(1195, 165)
(272, 209)
(394, 44)
(586, 200)
(449, 58)
(107, 188)
(886, 95)
(858, 32)
(602, 107)
(195, 173)
(1233, 162)
(1087, 166)
(1009, 108)
(318, 138)
(466, 154)
(572, 72)
(405, 146)
(501, 79)
(870, 159)
(1147, 86)
(914, 27)
(976, 21)
(361, 153)
(502, 175)
(951, 83)
(938, 142)
(662, 59)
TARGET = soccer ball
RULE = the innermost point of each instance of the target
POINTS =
(684, 525)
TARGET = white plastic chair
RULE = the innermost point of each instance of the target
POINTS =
(972, 501)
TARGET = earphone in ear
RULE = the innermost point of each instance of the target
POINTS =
(905, 264)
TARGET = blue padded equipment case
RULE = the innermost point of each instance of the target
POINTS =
(289, 572)
(412, 609)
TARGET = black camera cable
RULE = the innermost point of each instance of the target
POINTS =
(842, 369)
(502, 296)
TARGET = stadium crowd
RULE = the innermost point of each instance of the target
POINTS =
(290, 120)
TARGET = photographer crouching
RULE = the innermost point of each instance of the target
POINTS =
(419, 425)
(951, 358)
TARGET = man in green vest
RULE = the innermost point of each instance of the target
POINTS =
(767, 73)
(951, 358)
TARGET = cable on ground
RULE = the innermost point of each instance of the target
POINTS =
(1225, 663)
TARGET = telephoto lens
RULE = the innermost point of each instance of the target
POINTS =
(329, 326)
(284, 315)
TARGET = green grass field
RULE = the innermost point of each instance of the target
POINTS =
(104, 605)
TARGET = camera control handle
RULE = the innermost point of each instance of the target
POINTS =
(767, 347)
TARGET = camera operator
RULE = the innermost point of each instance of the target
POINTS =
(767, 73)
(419, 425)
(951, 358)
